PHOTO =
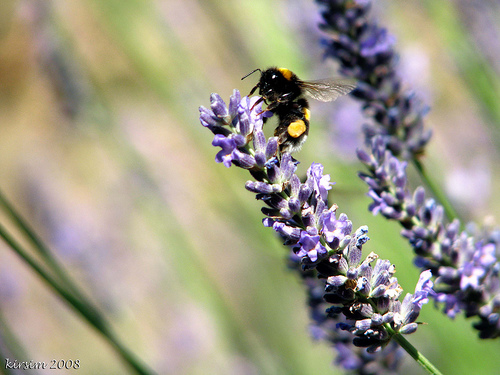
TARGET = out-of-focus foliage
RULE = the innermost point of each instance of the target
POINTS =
(102, 151)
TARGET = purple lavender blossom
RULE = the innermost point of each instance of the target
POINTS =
(227, 145)
(412, 303)
(323, 245)
(367, 319)
(324, 327)
(310, 247)
(318, 182)
(335, 230)
(234, 128)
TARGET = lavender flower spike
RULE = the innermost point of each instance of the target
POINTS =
(365, 52)
(465, 264)
(322, 244)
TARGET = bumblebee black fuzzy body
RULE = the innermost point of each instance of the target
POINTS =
(284, 93)
(293, 126)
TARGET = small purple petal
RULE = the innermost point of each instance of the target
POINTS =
(218, 106)
(227, 145)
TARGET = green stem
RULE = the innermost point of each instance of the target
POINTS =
(85, 309)
(77, 299)
(40, 247)
(449, 211)
(411, 350)
(126, 354)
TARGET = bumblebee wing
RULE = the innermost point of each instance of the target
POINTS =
(329, 89)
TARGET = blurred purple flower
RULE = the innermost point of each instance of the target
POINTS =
(365, 52)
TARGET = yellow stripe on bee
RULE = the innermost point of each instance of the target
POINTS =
(286, 73)
(296, 128)
(307, 113)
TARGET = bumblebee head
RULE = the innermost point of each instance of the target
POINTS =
(270, 83)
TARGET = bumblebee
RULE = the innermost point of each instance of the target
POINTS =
(284, 93)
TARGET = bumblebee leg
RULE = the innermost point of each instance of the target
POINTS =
(253, 90)
(260, 100)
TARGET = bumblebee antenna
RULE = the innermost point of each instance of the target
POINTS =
(252, 72)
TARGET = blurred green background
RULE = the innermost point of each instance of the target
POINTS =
(102, 151)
